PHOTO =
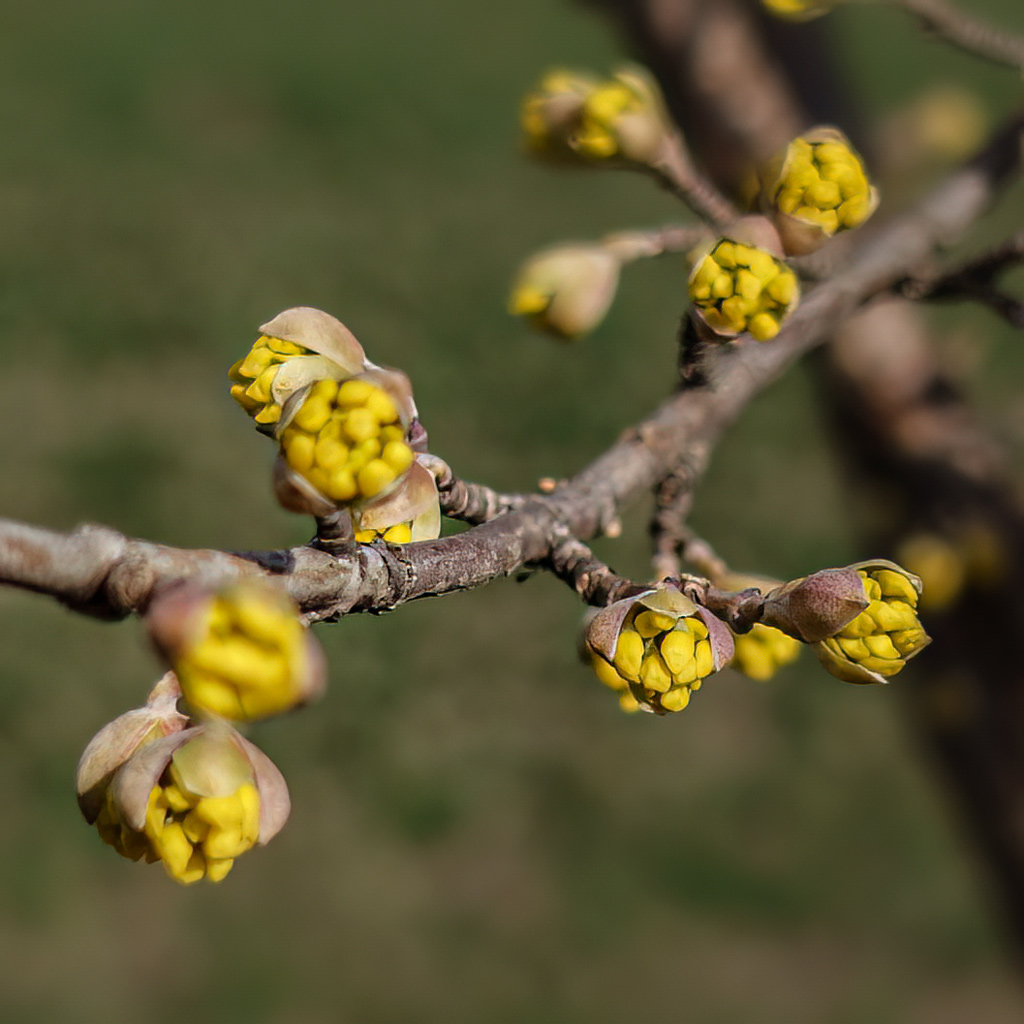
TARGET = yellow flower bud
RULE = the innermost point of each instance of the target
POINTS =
(576, 117)
(815, 188)
(566, 290)
(879, 641)
(347, 441)
(660, 646)
(799, 10)
(763, 651)
(738, 288)
(296, 348)
(241, 652)
(194, 801)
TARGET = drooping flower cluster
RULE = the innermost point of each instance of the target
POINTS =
(572, 117)
(190, 797)
(738, 288)
(660, 645)
(879, 641)
(347, 430)
(815, 188)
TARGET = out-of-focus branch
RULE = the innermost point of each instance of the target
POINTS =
(675, 170)
(965, 31)
(975, 280)
(670, 238)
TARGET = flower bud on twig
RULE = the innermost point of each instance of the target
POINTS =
(576, 117)
(660, 644)
(815, 188)
(738, 288)
(862, 619)
(566, 290)
(241, 652)
(195, 801)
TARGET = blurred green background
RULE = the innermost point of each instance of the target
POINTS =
(478, 833)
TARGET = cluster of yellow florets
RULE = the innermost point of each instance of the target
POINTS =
(198, 836)
(254, 375)
(763, 651)
(247, 656)
(664, 658)
(823, 183)
(883, 636)
(739, 288)
(347, 440)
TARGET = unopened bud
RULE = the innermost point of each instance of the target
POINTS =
(660, 644)
(241, 652)
(738, 288)
(195, 801)
(578, 117)
(566, 290)
(815, 188)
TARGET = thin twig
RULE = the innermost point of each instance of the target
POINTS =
(965, 31)
(672, 503)
(676, 171)
(595, 583)
(669, 238)
(468, 502)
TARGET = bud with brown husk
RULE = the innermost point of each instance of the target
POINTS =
(862, 619)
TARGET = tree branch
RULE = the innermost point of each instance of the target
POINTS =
(975, 280)
(98, 571)
(965, 31)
